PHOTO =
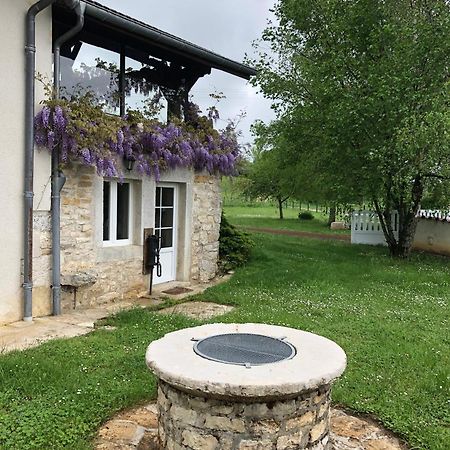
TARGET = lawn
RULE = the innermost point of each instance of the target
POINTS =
(261, 216)
(391, 317)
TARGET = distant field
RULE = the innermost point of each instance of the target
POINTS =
(267, 217)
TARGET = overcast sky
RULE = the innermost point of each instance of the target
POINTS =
(227, 27)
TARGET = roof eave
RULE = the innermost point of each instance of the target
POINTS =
(167, 41)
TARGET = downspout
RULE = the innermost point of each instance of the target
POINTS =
(30, 65)
(58, 178)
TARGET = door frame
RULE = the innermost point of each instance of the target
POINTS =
(174, 186)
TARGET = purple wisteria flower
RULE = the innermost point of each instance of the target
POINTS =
(59, 119)
(154, 147)
(45, 116)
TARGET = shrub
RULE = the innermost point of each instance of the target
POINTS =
(305, 215)
(234, 246)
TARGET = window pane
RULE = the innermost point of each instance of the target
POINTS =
(157, 218)
(94, 70)
(106, 212)
(158, 196)
(166, 236)
(167, 196)
(137, 94)
(167, 217)
(123, 210)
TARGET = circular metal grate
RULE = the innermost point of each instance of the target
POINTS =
(244, 349)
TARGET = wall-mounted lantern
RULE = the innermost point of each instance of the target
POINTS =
(128, 163)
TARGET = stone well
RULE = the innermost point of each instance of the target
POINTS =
(204, 404)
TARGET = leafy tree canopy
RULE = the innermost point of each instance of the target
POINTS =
(269, 174)
(362, 93)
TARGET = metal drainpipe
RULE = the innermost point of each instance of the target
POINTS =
(30, 66)
(58, 178)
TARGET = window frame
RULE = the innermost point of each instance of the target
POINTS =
(114, 242)
(174, 215)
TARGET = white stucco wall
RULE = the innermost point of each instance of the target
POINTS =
(433, 236)
(12, 94)
(12, 68)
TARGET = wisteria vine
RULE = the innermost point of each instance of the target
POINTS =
(82, 132)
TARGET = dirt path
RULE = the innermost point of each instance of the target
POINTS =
(307, 234)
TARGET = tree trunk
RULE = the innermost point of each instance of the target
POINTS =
(407, 222)
(280, 207)
(332, 214)
(407, 231)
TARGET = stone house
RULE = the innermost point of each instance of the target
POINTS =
(102, 220)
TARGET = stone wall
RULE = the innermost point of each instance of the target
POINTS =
(92, 274)
(207, 208)
(192, 422)
(77, 212)
(88, 280)
(42, 263)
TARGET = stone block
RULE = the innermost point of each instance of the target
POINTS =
(226, 442)
(197, 441)
(198, 403)
(263, 444)
(222, 409)
(79, 279)
(161, 432)
(283, 409)
(291, 441)
(317, 431)
(225, 424)
(264, 426)
(301, 421)
(183, 415)
(381, 444)
(323, 410)
(337, 226)
(256, 410)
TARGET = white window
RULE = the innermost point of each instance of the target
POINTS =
(117, 212)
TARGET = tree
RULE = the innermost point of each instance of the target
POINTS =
(362, 91)
(270, 175)
(267, 176)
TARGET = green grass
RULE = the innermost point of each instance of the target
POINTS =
(55, 396)
(267, 217)
(391, 317)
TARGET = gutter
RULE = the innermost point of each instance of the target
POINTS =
(30, 69)
(58, 178)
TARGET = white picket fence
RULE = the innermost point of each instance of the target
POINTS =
(366, 228)
(432, 233)
(443, 216)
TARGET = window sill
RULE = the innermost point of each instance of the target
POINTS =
(120, 243)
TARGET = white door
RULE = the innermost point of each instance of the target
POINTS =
(166, 228)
